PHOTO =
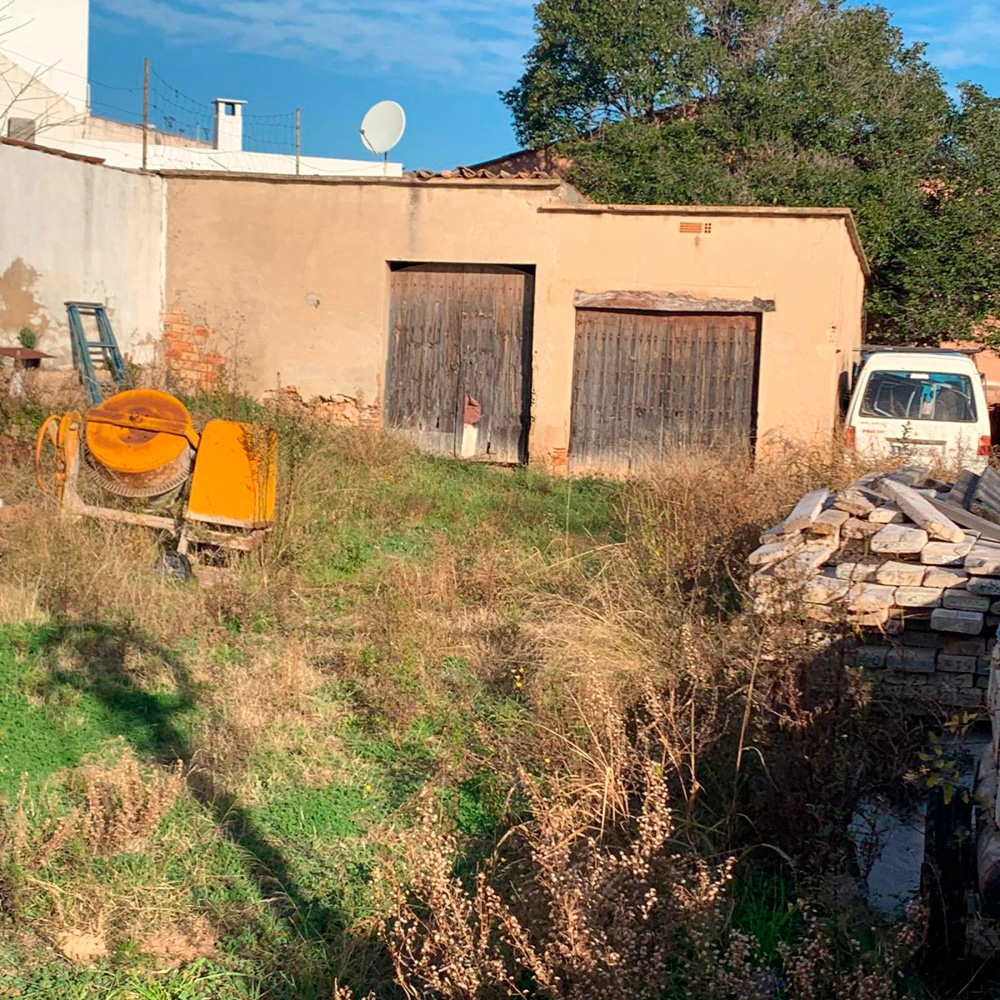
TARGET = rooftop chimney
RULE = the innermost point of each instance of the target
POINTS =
(228, 124)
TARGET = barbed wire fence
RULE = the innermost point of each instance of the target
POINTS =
(179, 125)
(180, 129)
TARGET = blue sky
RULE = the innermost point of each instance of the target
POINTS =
(444, 60)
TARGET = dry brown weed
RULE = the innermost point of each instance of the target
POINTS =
(254, 702)
(122, 804)
(595, 913)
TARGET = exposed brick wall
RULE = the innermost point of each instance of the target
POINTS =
(558, 461)
(188, 358)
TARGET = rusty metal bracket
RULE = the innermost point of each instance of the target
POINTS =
(144, 422)
(63, 434)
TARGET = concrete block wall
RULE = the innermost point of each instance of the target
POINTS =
(927, 666)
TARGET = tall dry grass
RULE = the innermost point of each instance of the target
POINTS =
(667, 727)
(662, 734)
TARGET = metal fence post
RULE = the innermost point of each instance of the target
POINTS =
(145, 110)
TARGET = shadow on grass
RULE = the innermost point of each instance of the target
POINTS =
(154, 724)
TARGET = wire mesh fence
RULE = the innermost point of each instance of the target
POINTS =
(181, 128)
(180, 122)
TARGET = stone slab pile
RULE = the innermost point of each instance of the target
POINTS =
(921, 592)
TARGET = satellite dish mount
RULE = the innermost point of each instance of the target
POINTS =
(382, 127)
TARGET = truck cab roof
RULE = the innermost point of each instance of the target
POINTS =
(917, 358)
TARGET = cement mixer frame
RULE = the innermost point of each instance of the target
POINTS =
(227, 486)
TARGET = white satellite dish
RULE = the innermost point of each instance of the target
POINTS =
(383, 126)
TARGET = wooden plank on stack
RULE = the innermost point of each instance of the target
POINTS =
(858, 527)
(899, 539)
(961, 599)
(772, 552)
(909, 475)
(918, 597)
(943, 576)
(921, 512)
(965, 622)
(961, 492)
(886, 514)
(805, 561)
(806, 511)
(985, 498)
(802, 516)
(869, 597)
(983, 559)
(825, 590)
(829, 522)
(966, 519)
(857, 570)
(900, 574)
(946, 553)
(854, 502)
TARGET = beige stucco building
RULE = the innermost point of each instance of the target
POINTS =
(503, 319)
(309, 282)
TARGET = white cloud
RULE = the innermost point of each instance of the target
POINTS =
(477, 43)
(958, 35)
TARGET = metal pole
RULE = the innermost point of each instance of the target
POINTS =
(145, 110)
(298, 138)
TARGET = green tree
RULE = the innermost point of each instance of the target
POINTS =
(943, 277)
(793, 102)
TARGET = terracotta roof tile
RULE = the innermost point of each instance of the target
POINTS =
(471, 174)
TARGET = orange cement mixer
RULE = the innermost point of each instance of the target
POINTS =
(139, 447)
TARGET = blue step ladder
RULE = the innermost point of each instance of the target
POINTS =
(103, 351)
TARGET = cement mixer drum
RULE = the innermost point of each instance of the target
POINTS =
(140, 443)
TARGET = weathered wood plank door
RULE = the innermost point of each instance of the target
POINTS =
(647, 383)
(460, 330)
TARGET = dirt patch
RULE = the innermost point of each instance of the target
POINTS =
(177, 944)
(83, 947)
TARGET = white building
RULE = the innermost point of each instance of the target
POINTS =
(45, 99)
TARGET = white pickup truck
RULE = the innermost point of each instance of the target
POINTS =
(926, 404)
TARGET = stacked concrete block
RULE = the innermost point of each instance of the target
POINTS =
(921, 593)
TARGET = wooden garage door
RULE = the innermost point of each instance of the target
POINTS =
(459, 331)
(646, 383)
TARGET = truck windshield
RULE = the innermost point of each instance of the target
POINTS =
(919, 396)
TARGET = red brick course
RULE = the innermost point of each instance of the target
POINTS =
(185, 353)
(558, 462)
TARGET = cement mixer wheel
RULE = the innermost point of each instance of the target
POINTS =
(174, 565)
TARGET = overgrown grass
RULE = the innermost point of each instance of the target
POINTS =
(417, 633)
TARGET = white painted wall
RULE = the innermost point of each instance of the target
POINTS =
(85, 232)
(49, 38)
(161, 157)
